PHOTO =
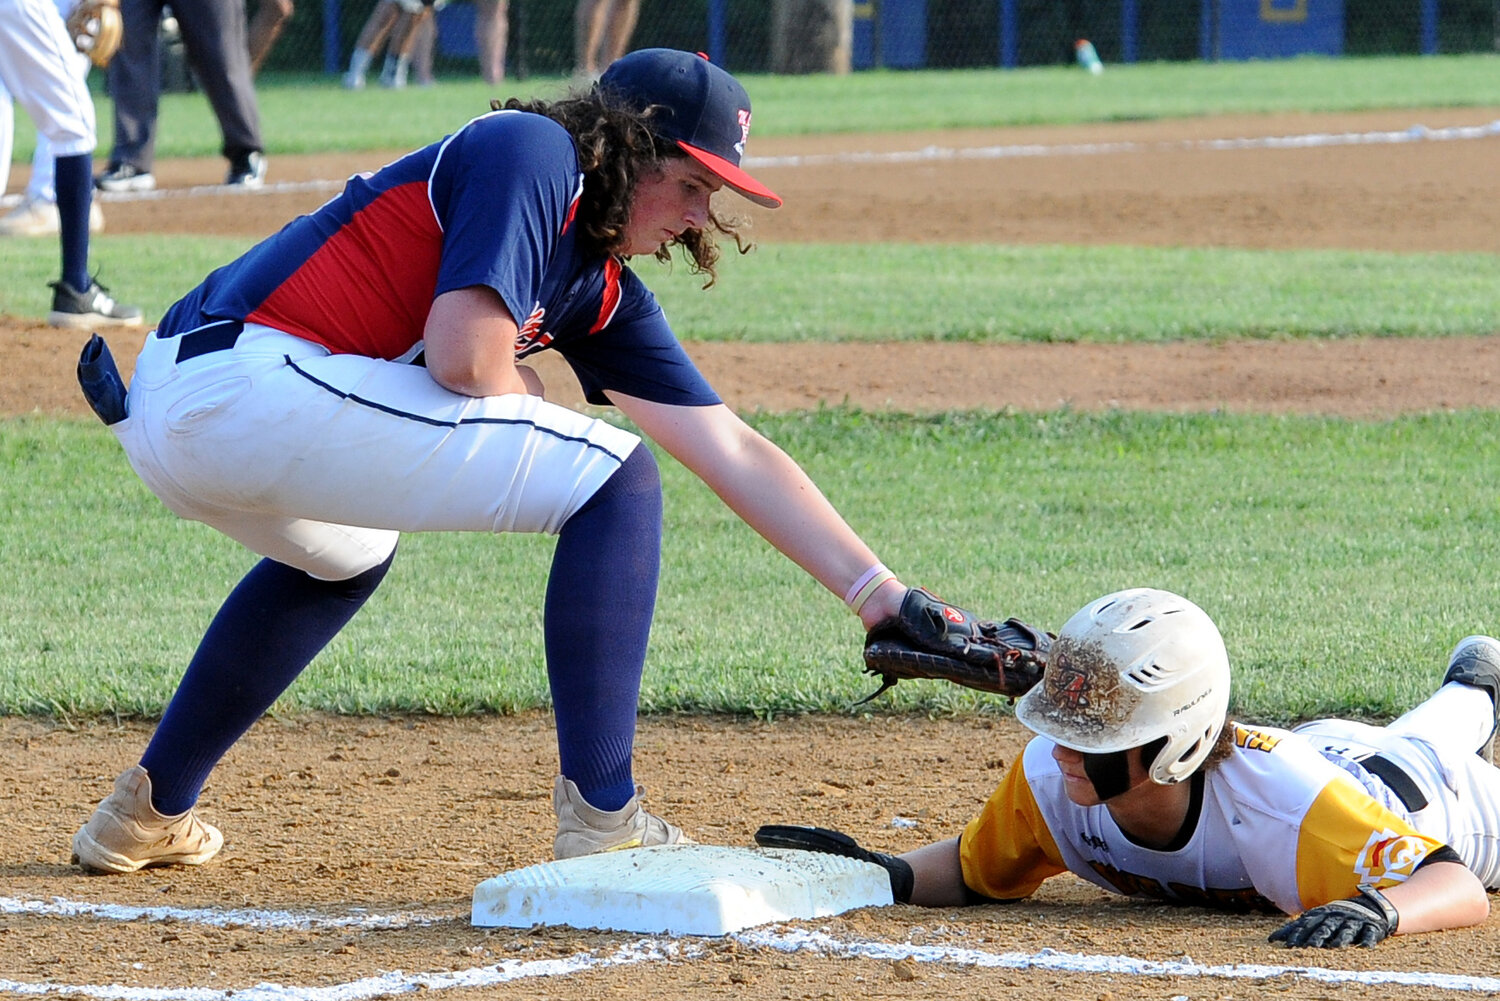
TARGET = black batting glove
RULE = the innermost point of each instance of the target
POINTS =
(831, 842)
(1363, 920)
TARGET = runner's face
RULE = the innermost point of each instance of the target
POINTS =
(668, 202)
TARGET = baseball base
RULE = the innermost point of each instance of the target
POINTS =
(680, 890)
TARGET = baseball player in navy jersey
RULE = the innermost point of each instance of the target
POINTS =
(356, 376)
(38, 66)
(1137, 782)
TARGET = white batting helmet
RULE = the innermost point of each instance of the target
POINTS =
(1130, 668)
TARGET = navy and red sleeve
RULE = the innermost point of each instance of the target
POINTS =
(503, 189)
(631, 349)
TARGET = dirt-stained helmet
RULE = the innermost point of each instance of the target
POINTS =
(1130, 668)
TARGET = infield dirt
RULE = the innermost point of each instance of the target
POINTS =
(326, 814)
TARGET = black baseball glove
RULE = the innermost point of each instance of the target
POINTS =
(1363, 920)
(830, 842)
(929, 638)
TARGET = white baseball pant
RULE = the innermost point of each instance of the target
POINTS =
(39, 187)
(1435, 744)
(38, 66)
(319, 460)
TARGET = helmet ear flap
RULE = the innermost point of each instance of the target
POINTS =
(1179, 759)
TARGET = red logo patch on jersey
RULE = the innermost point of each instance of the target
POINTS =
(953, 615)
(530, 337)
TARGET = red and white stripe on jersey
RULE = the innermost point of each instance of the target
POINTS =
(611, 299)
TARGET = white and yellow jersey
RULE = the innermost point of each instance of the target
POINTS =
(1281, 827)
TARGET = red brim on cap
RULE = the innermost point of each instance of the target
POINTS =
(734, 177)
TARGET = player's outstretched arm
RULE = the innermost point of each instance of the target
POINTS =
(1437, 896)
(930, 876)
(765, 487)
(937, 875)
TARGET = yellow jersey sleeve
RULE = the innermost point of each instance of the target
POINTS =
(1008, 850)
(1348, 839)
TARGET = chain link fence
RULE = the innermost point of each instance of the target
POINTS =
(913, 34)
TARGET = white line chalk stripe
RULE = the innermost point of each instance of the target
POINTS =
(1065, 962)
(262, 920)
(378, 986)
(1414, 133)
(651, 950)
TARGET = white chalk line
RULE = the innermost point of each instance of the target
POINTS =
(377, 986)
(776, 938)
(1070, 962)
(1311, 140)
(261, 920)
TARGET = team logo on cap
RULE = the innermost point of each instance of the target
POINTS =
(1066, 684)
(744, 116)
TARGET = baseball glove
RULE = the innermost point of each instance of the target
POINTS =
(929, 638)
(97, 30)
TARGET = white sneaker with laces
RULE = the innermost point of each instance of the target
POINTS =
(38, 217)
(89, 308)
(248, 171)
(1476, 662)
(126, 833)
(124, 177)
(583, 830)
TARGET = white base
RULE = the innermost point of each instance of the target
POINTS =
(680, 890)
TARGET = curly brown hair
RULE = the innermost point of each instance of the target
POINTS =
(616, 147)
(1222, 747)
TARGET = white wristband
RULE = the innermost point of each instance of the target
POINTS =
(866, 586)
(863, 579)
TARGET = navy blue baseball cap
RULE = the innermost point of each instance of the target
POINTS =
(704, 110)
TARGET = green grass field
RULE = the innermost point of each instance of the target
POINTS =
(955, 293)
(1342, 559)
(312, 113)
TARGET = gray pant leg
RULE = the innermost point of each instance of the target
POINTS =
(135, 84)
(213, 35)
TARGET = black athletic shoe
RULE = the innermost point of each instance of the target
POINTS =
(89, 309)
(247, 171)
(124, 177)
(1476, 661)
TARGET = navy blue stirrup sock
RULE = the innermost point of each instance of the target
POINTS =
(600, 598)
(74, 182)
(270, 627)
